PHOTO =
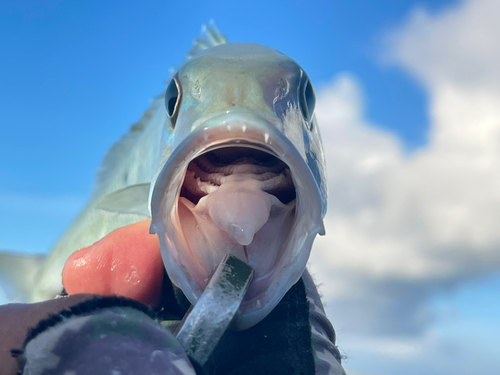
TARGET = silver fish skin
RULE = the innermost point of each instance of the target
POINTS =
(228, 98)
(239, 96)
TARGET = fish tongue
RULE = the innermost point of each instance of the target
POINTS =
(239, 207)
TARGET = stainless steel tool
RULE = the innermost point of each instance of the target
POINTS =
(214, 311)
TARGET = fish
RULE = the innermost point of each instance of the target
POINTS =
(229, 160)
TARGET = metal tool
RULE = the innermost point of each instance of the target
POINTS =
(214, 311)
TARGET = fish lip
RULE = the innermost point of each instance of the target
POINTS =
(230, 129)
(254, 131)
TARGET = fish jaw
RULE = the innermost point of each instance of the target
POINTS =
(190, 265)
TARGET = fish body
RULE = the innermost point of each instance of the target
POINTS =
(229, 160)
(245, 175)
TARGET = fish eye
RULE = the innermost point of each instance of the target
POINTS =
(307, 100)
(172, 100)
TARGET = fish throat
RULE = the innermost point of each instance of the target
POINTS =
(208, 172)
(240, 201)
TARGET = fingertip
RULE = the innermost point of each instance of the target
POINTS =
(126, 262)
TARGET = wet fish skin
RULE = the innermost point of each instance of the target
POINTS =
(233, 95)
(240, 95)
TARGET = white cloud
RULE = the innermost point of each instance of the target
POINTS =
(400, 226)
(458, 45)
(429, 354)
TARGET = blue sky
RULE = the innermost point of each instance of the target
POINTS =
(75, 75)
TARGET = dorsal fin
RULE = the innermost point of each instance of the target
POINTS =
(117, 152)
(210, 36)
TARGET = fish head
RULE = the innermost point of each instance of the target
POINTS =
(243, 173)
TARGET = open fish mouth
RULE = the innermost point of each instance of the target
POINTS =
(208, 172)
(239, 201)
(236, 185)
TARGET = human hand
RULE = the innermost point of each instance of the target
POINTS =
(17, 318)
(126, 262)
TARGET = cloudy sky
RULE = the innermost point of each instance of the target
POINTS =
(409, 108)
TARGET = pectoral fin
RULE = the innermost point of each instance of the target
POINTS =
(131, 200)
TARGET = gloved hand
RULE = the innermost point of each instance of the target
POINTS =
(102, 336)
(127, 262)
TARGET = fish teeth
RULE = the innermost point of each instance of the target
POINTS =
(212, 163)
(208, 172)
(199, 182)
